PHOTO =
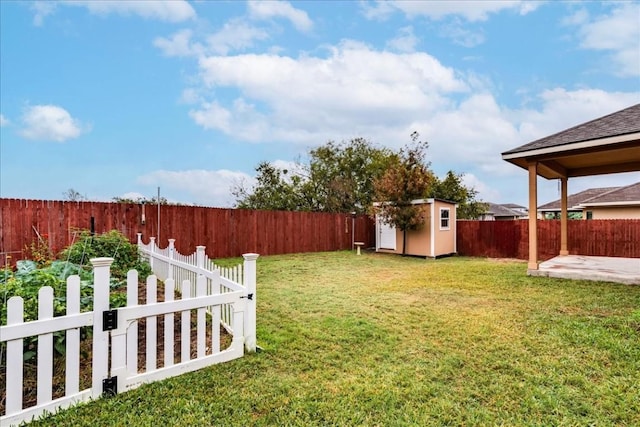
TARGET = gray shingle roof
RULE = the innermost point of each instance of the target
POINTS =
(629, 193)
(501, 210)
(619, 123)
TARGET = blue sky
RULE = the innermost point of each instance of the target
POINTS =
(118, 98)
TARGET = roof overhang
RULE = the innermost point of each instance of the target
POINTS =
(615, 154)
(611, 204)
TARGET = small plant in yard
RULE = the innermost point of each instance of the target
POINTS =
(39, 251)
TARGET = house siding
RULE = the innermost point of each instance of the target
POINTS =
(619, 212)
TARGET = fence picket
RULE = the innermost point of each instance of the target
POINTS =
(45, 347)
(132, 331)
(72, 362)
(185, 325)
(15, 316)
(168, 324)
(151, 324)
(215, 315)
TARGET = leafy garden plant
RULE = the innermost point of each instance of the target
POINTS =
(31, 275)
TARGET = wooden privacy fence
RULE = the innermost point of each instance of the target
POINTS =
(510, 239)
(225, 232)
(117, 364)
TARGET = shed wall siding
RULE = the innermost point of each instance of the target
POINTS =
(445, 239)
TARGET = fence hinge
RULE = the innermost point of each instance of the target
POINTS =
(249, 296)
(109, 320)
(110, 386)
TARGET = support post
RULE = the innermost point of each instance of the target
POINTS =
(564, 215)
(533, 216)
(250, 312)
(100, 369)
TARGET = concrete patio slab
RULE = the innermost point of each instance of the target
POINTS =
(607, 269)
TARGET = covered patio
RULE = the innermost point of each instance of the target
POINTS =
(609, 144)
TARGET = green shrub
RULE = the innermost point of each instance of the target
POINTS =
(111, 244)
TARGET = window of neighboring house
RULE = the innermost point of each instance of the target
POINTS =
(589, 215)
(444, 218)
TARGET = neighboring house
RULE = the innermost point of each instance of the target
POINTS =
(599, 203)
(501, 212)
(517, 208)
(435, 239)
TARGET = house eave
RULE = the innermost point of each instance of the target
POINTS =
(612, 204)
(573, 146)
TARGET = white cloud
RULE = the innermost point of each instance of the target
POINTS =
(406, 41)
(617, 33)
(202, 187)
(562, 109)
(4, 121)
(168, 11)
(50, 123)
(461, 34)
(235, 35)
(274, 9)
(179, 44)
(42, 9)
(436, 10)
(485, 192)
(307, 99)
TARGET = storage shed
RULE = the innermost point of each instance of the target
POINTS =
(436, 238)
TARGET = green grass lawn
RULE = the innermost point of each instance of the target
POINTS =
(391, 341)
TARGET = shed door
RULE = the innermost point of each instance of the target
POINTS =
(386, 236)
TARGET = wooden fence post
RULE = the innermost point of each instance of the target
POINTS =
(250, 313)
(101, 278)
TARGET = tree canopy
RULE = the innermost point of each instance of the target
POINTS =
(341, 177)
(338, 178)
(406, 180)
(452, 189)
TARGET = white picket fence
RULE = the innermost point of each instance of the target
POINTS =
(168, 263)
(114, 363)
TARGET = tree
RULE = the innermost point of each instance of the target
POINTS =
(73, 195)
(275, 189)
(407, 179)
(338, 178)
(451, 188)
(151, 201)
(341, 175)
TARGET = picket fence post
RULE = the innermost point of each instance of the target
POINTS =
(250, 313)
(171, 251)
(101, 278)
(152, 244)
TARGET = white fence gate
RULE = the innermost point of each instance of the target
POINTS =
(216, 301)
